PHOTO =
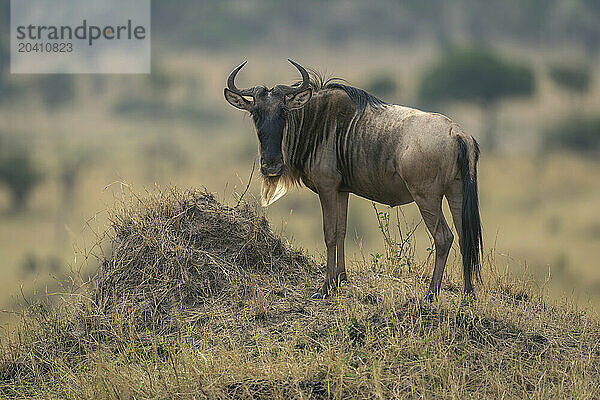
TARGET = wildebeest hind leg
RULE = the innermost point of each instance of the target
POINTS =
(431, 210)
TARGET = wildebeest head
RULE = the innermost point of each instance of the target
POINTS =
(268, 108)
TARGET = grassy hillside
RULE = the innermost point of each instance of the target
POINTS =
(538, 207)
(195, 299)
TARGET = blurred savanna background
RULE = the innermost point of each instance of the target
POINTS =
(520, 76)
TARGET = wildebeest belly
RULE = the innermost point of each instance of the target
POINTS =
(373, 171)
(387, 189)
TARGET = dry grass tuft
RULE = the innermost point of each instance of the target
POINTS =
(200, 300)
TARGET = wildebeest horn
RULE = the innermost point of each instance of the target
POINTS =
(231, 82)
(305, 79)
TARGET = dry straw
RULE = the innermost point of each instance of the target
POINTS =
(177, 252)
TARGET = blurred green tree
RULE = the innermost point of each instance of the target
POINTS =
(577, 133)
(479, 76)
(20, 175)
(57, 90)
(574, 78)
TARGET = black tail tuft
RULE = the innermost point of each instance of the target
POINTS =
(471, 222)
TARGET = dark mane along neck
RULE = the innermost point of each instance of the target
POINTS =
(359, 97)
(329, 112)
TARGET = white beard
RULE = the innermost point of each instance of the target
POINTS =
(274, 188)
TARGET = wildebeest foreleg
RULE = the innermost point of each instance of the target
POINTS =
(329, 207)
(340, 270)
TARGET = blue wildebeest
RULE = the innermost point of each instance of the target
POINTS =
(337, 139)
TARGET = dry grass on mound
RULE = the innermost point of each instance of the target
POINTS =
(200, 300)
(175, 253)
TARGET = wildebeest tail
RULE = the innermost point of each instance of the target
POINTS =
(472, 247)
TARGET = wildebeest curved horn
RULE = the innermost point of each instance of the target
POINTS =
(305, 79)
(231, 82)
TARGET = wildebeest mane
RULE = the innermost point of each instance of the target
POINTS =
(359, 97)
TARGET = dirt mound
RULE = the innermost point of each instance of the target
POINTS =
(174, 253)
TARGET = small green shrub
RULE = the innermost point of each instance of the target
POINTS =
(399, 245)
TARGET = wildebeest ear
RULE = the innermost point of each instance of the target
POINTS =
(299, 99)
(237, 101)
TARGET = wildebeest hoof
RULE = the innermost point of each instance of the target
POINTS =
(430, 296)
(468, 298)
(317, 296)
